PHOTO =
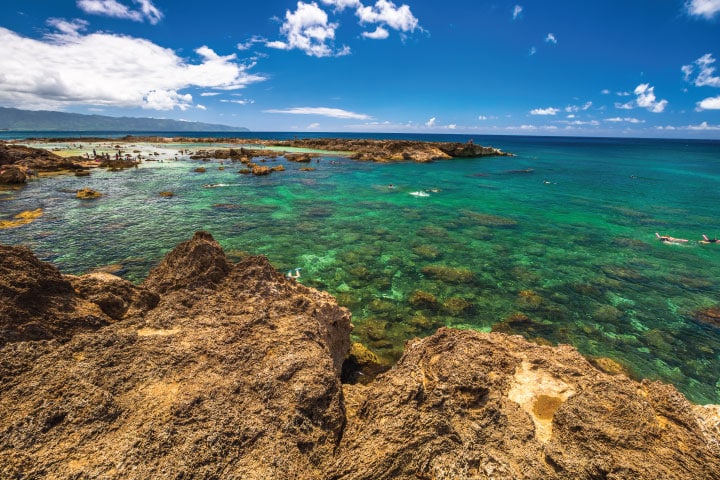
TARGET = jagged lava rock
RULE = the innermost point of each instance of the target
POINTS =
(234, 374)
(463, 404)
(217, 370)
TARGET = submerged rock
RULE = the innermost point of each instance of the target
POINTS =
(87, 193)
(217, 370)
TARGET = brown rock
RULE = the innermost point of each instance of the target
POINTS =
(12, 174)
(196, 263)
(235, 373)
(462, 404)
(87, 193)
(241, 384)
(37, 302)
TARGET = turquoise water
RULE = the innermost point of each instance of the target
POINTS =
(567, 250)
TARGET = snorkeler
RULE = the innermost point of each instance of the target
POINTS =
(669, 239)
(707, 240)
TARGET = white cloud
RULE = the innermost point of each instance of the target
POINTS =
(623, 94)
(482, 117)
(430, 123)
(577, 108)
(313, 126)
(605, 91)
(166, 100)
(247, 44)
(711, 103)
(307, 29)
(532, 51)
(625, 106)
(341, 5)
(201, 107)
(323, 111)
(239, 102)
(703, 126)
(112, 8)
(545, 111)
(101, 69)
(646, 98)
(452, 126)
(705, 72)
(379, 34)
(517, 10)
(387, 13)
(703, 8)
(625, 120)
(209, 94)
(70, 28)
(550, 38)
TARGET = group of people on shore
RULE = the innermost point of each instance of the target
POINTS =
(668, 239)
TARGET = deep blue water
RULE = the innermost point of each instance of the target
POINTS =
(565, 253)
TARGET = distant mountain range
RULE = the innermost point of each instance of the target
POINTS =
(14, 119)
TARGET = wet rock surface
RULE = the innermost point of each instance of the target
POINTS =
(213, 369)
(18, 159)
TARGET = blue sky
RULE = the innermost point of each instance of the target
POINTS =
(609, 68)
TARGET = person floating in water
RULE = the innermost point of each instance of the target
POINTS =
(297, 273)
(669, 239)
(707, 240)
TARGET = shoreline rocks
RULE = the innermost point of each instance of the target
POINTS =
(214, 369)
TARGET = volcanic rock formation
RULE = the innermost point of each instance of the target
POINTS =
(211, 369)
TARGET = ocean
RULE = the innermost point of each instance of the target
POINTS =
(557, 243)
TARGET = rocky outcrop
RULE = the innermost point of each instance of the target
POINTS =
(212, 369)
(463, 404)
(394, 150)
(12, 174)
(38, 303)
(234, 374)
(36, 159)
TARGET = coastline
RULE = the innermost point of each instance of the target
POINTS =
(454, 257)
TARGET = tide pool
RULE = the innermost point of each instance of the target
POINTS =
(556, 244)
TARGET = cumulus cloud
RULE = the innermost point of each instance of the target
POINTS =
(605, 91)
(712, 103)
(704, 70)
(703, 8)
(430, 123)
(532, 51)
(625, 106)
(113, 8)
(550, 38)
(545, 111)
(482, 117)
(517, 10)
(387, 13)
(646, 98)
(309, 30)
(322, 111)
(379, 34)
(100, 69)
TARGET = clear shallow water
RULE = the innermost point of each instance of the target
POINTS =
(570, 245)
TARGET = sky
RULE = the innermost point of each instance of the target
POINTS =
(638, 68)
